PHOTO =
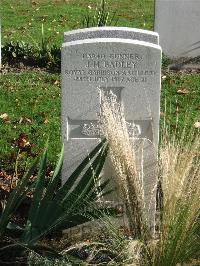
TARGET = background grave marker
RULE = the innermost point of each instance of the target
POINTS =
(112, 32)
(177, 22)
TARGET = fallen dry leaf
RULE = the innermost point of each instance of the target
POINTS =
(182, 90)
(25, 120)
(34, 3)
(197, 124)
(5, 118)
(162, 114)
(5, 187)
(46, 121)
(22, 141)
(56, 82)
(170, 82)
(5, 181)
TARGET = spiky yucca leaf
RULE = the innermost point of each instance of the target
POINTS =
(63, 207)
(16, 197)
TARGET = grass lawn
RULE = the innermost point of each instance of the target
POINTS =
(32, 104)
(22, 20)
(30, 101)
(180, 100)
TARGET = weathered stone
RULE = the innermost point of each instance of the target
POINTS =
(112, 32)
(130, 69)
(177, 22)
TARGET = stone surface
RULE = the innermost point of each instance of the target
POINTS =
(131, 70)
(177, 22)
(112, 32)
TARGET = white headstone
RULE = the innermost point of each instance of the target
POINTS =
(112, 32)
(177, 22)
(131, 70)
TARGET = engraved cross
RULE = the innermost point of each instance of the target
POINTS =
(90, 129)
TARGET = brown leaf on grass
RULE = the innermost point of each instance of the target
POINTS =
(170, 82)
(124, 230)
(56, 82)
(4, 175)
(5, 187)
(22, 141)
(5, 118)
(197, 124)
(5, 181)
(25, 120)
(34, 3)
(182, 90)
(42, 118)
(177, 109)
(23, 144)
(162, 114)
(46, 121)
(173, 126)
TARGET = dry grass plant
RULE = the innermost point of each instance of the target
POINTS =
(178, 234)
(122, 156)
(179, 241)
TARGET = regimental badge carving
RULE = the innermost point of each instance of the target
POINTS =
(133, 129)
(92, 129)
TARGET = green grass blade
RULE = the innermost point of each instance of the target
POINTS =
(53, 183)
(39, 190)
(92, 173)
(86, 183)
(98, 190)
(46, 208)
(75, 175)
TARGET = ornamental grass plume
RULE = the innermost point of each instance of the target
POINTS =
(179, 239)
(178, 224)
(123, 158)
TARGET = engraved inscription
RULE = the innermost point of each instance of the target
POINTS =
(104, 68)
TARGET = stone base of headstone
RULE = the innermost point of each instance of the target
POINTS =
(185, 64)
(103, 226)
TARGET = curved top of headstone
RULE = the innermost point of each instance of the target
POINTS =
(111, 40)
(112, 32)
